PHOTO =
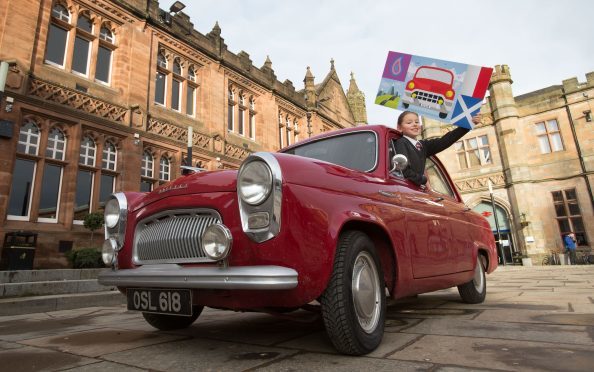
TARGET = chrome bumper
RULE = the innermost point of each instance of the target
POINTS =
(175, 276)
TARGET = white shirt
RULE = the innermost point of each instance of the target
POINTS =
(412, 140)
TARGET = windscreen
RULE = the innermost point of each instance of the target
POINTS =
(353, 150)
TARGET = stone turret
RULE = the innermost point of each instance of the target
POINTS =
(310, 89)
(356, 100)
(503, 103)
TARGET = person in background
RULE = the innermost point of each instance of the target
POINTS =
(570, 247)
(417, 151)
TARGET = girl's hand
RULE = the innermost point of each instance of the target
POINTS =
(476, 120)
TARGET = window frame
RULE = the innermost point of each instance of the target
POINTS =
(548, 135)
(565, 202)
(465, 149)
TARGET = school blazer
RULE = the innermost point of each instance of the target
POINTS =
(415, 170)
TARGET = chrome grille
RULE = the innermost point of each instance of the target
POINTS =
(428, 97)
(173, 236)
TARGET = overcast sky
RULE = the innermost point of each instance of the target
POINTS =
(543, 42)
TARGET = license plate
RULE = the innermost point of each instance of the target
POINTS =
(160, 301)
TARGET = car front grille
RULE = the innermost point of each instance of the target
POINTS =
(427, 97)
(173, 236)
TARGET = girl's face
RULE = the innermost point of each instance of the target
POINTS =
(410, 125)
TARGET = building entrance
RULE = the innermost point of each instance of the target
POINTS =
(506, 245)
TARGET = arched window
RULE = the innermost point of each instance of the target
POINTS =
(82, 45)
(106, 35)
(147, 165)
(104, 55)
(87, 152)
(161, 60)
(109, 156)
(252, 119)
(56, 144)
(29, 138)
(176, 86)
(177, 67)
(164, 169)
(241, 116)
(230, 109)
(60, 12)
(191, 74)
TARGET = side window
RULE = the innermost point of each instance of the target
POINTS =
(437, 179)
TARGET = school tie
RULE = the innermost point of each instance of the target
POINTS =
(419, 146)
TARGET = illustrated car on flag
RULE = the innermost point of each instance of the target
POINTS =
(431, 88)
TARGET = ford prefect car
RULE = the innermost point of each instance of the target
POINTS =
(431, 88)
(327, 222)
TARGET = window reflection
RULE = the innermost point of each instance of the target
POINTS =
(50, 192)
(22, 184)
(84, 185)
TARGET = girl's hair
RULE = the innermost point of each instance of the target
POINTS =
(404, 113)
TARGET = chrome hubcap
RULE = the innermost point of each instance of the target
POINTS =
(479, 279)
(366, 292)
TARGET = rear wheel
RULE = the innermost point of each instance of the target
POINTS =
(474, 291)
(169, 322)
(354, 304)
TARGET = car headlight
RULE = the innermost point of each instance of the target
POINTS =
(112, 213)
(108, 251)
(254, 182)
(216, 241)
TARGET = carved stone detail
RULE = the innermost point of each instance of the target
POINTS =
(172, 131)
(76, 100)
(290, 108)
(246, 83)
(236, 151)
(480, 182)
(171, 42)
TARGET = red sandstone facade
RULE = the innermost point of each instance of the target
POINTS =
(99, 97)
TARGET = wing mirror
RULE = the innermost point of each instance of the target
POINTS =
(399, 162)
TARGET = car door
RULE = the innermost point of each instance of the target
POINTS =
(460, 244)
(427, 232)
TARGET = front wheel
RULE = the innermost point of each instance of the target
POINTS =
(354, 304)
(165, 322)
(474, 291)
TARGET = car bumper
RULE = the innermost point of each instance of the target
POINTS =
(176, 276)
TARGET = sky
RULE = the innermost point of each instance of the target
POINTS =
(543, 42)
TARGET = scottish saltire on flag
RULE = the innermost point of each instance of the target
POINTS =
(448, 91)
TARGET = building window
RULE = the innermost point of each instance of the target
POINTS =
(288, 129)
(87, 43)
(569, 215)
(87, 152)
(82, 45)
(252, 122)
(104, 55)
(295, 131)
(164, 169)
(56, 144)
(109, 156)
(50, 192)
(241, 117)
(473, 152)
(28, 138)
(549, 136)
(230, 116)
(181, 91)
(19, 205)
(190, 100)
(281, 125)
(146, 172)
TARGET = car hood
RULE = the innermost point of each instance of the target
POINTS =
(197, 183)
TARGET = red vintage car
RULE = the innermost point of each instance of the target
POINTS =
(329, 219)
(431, 88)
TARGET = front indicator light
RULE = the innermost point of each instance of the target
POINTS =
(411, 85)
(108, 251)
(216, 241)
(449, 94)
(258, 220)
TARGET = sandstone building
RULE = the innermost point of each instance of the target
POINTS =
(537, 149)
(100, 96)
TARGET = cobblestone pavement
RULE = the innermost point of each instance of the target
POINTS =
(534, 319)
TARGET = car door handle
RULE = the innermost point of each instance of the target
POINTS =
(438, 199)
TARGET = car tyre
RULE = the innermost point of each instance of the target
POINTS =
(443, 115)
(165, 322)
(405, 105)
(354, 303)
(475, 291)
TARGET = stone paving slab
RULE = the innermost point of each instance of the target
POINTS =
(38, 359)
(199, 354)
(498, 354)
(102, 341)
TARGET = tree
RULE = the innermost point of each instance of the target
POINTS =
(93, 221)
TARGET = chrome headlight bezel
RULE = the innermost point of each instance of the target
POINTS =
(270, 205)
(254, 182)
(218, 235)
(117, 230)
